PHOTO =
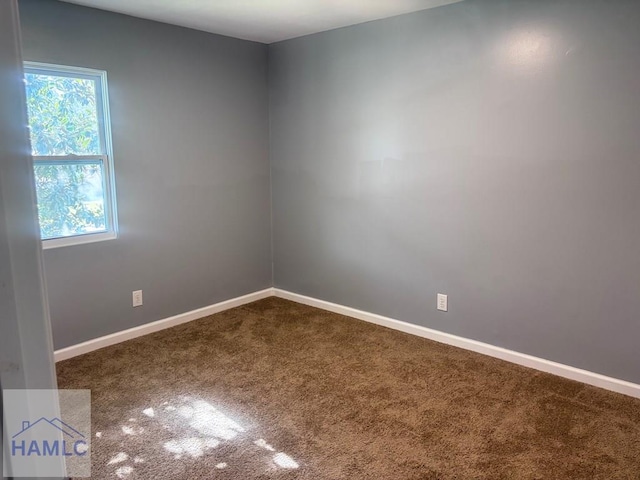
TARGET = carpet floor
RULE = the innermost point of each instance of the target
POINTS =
(275, 389)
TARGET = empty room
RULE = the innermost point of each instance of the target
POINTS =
(320, 239)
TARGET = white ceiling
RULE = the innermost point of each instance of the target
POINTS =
(264, 21)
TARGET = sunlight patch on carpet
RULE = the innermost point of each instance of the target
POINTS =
(195, 428)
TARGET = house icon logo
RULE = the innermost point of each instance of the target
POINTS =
(48, 438)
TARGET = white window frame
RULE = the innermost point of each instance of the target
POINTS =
(106, 147)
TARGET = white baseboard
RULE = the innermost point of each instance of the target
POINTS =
(101, 342)
(566, 371)
(584, 376)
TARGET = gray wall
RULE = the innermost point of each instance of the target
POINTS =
(26, 357)
(488, 150)
(190, 134)
(26, 347)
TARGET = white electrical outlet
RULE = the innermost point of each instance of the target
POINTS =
(137, 298)
(443, 302)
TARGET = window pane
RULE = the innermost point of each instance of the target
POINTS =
(62, 115)
(70, 198)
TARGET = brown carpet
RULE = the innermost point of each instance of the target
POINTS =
(275, 389)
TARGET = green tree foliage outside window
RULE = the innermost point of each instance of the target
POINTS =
(63, 120)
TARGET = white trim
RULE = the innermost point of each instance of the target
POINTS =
(559, 369)
(118, 337)
(566, 371)
(67, 70)
(78, 239)
(106, 147)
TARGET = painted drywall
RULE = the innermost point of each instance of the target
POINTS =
(26, 345)
(26, 356)
(488, 150)
(190, 138)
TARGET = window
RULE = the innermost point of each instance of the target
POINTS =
(70, 139)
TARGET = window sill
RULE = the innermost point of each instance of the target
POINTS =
(78, 240)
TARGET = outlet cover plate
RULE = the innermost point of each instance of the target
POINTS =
(443, 302)
(137, 298)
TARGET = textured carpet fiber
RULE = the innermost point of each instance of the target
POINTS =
(275, 389)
